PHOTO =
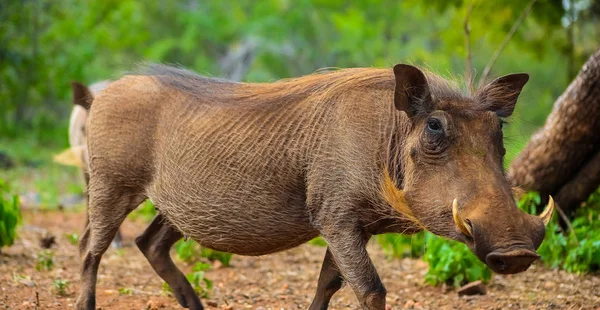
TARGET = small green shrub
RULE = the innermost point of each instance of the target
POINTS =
(449, 261)
(576, 251)
(61, 287)
(452, 263)
(212, 255)
(45, 261)
(200, 283)
(10, 215)
(190, 251)
(398, 245)
(187, 250)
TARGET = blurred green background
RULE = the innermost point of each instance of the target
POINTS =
(45, 44)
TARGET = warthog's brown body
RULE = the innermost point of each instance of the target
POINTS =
(258, 168)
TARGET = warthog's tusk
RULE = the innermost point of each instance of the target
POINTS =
(546, 216)
(462, 225)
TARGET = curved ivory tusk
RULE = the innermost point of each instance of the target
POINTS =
(462, 225)
(546, 216)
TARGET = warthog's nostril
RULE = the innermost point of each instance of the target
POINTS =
(511, 262)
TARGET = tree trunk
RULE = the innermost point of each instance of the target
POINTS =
(561, 159)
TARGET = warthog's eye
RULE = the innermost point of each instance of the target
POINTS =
(434, 126)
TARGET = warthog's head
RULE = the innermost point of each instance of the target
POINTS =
(452, 173)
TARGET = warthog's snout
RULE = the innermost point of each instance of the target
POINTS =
(506, 244)
(514, 261)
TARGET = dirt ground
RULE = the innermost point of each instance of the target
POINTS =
(286, 280)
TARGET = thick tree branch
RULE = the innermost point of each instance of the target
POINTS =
(562, 159)
(509, 35)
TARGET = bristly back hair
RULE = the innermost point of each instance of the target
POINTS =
(326, 82)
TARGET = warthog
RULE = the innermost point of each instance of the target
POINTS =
(76, 155)
(254, 169)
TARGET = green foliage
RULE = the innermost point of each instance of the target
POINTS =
(449, 261)
(577, 251)
(72, 238)
(61, 287)
(45, 261)
(146, 212)
(10, 215)
(452, 263)
(189, 251)
(397, 245)
(201, 284)
(46, 44)
(212, 255)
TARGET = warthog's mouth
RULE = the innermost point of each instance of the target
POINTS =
(510, 262)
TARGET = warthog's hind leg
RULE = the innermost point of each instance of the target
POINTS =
(330, 281)
(155, 243)
(108, 209)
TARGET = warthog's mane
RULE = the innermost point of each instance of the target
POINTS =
(327, 84)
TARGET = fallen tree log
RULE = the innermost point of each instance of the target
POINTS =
(562, 158)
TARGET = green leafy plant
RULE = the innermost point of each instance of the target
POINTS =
(187, 250)
(190, 251)
(449, 261)
(200, 283)
(212, 255)
(72, 238)
(452, 263)
(10, 215)
(576, 251)
(398, 245)
(45, 261)
(60, 287)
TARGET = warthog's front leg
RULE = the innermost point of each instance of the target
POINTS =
(330, 281)
(155, 243)
(348, 249)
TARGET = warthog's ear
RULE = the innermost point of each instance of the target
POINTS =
(501, 94)
(81, 95)
(412, 91)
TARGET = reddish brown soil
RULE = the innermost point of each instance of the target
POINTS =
(285, 280)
